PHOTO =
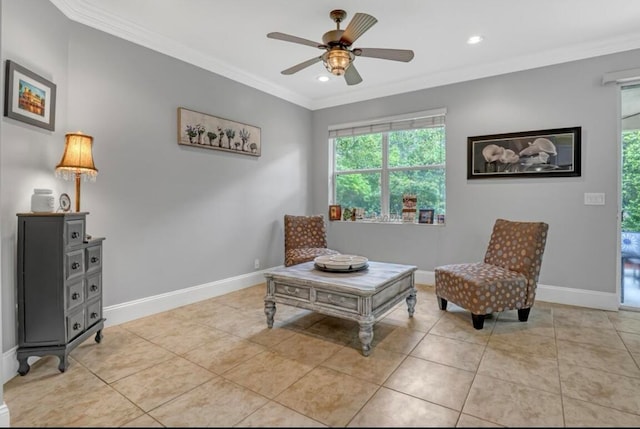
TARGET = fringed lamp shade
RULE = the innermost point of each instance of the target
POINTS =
(77, 161)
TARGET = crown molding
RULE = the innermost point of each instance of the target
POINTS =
(514, 64)
(102, 20)
(81, 12)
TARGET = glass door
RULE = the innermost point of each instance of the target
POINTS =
(630, 188)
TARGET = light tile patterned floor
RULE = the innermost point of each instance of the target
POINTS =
(215, 363)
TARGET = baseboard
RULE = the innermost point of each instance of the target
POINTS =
(425, 277)
(5, 421)
(125, 312)
(578, 297)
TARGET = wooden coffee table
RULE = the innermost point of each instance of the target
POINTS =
(363, 296)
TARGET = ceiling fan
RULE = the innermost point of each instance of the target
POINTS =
(339, 55)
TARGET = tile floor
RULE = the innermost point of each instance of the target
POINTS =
(214, 363)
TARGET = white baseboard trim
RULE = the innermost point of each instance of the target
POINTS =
(5, 421)
(121, 313)
(425, 277)
(125, 312)
(578, 297)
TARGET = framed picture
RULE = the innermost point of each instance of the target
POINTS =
(425, 216)
(210, 132)
(29, 97)
(409, 202)
(550, 153)
(335, 212)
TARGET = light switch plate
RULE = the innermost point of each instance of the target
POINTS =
(593, 199)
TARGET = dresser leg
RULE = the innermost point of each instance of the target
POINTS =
(64, 364)
(98, 336)
(23, 367)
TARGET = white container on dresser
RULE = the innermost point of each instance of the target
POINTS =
(59, 286)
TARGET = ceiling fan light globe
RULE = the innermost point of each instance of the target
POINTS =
(337, 61)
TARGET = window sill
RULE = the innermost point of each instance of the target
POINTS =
(380, 222)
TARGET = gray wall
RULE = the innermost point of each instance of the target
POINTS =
(173, 216)
(582, 245)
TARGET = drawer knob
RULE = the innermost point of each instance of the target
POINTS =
(291, 291)
(75, 265)
(94, 259)
(76, 326)
(75, 296)
(94, 315)
(93, 288)
(75, 234)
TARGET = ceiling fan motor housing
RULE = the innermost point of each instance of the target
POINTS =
(332, 37)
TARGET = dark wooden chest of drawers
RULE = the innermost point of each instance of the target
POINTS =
(59, 286)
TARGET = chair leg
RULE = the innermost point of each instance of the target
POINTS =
(442, 303)
(523, 314)
(478, 320)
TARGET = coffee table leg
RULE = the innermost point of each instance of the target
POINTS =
(366, 336)
(411, 303)
(270, 311)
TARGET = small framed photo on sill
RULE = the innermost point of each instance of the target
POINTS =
(425, 216)
(335, 212)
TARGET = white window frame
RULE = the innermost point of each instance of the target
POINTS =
(378, 126)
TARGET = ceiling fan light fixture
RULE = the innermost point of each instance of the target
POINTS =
(337, 60)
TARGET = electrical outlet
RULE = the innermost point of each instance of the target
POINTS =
(593, 199)
(256, 263)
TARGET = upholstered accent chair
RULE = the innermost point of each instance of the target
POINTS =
(305, 237)
(505, 280)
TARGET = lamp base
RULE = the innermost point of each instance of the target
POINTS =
(78, 192)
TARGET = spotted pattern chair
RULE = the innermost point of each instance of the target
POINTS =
(505, 280)
(305, 237)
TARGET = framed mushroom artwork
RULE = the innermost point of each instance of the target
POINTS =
(542, 153)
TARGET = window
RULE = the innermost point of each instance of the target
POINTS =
(373, 165)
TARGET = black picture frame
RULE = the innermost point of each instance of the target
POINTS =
(425, 216)
(29, 97)
(542, 153)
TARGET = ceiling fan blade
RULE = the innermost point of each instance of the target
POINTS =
(352, 76)
(405, 55)
(294, 39)
(360, 23)
(302, 65)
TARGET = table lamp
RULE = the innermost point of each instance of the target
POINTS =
(77, 161)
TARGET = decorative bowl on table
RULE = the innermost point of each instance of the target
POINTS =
(341, 263)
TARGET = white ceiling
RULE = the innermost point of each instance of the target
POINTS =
(228, 37)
